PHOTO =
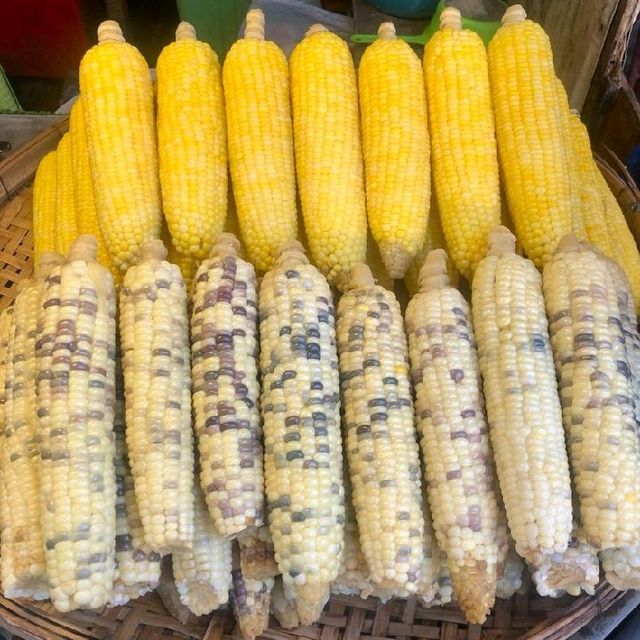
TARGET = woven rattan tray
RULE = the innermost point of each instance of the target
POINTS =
(525, 616)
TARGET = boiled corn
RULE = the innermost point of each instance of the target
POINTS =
(44, 206)
(66, 225)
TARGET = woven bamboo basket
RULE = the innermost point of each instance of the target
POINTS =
(526, 616)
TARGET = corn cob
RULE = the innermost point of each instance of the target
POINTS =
(168, 592)
(454, 436)
(622, 567)
(192, 144)
(282, 606)
(260, 132)
(597, 395)
(203, 573)
(328, 154)
(22, 556)
(523, 408)
(590, 204)
(154, 327)
(396, 153)
(381, 443)
(137, 567)
(510, 567)
(624, 248)
(300, 411)
(465, 156)
(83, 199)
(127, 192)
(66, 219)
(257, 561)
(44, 206)
(187, 265)
(224, 351)
(75, 386)
(528, 118)
(251, 600)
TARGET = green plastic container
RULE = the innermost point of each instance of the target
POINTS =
(216, 21)
(8, 101)
(483, 28)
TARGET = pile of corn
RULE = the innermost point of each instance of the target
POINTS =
(156, 401)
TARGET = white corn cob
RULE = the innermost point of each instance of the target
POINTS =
(383, 455)
(300, 410)
(454, 436)
(251, 600)
(523, 408)
(283, 606)
(224, 367)
(137, 567)
(22, 556)
(597, 396)
(622, 566)
(75, 385)
(154, 328)
(203, 574)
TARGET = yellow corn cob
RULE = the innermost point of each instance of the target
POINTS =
(22, 555)
(463, 141)
(257, 561)
(282, 606)
(300, 411)
(83, 186)
(577, 219)
(118, 113)
(597, 395)
(44, 206)
(529, 128)
(523, 408)
(383, 456)
(187, 265)
(395, 139)
(328, 154)
(454, 436)
(624, 247)
(224, 351)
(155, 352)
(137, 567)
(433, 239)
(260, 132)
(75, 384)
(203, 574)
(66, 225)
(192, 143)
(251, 600)
(590, 203)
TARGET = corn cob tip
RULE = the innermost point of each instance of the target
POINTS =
(225, 245)
(84, 247)
(360, 277)
(396, 259)
(255, 25)
(110, 31)
(474, 591)
(310, 601)
(434, 274)
(48, 260)
(568, 243)
(451, 17)
(387, 31)
(514, 14)
(315, 28)
(153, 249)
(501, 241)
(186, 31)
(293, 251)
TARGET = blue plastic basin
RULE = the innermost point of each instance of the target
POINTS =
(406, 8)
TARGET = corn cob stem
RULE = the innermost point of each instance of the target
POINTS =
(76, 362)
(154, 327)
(300, 411)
